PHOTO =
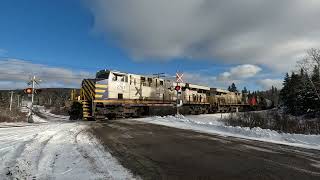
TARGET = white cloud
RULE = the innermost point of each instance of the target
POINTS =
(3, 52)
(268, 83)
(240, 72)
(265, 32)
(16, 73)
(198, 78)
(209, 80)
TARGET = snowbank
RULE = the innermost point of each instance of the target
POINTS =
(209, 124)
(56, 150)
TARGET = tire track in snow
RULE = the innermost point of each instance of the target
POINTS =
(13, 170)
(27, 162)
(102, 162)
(86, 155)
(58, 149)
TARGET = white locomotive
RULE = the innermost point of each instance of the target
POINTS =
(116, 94)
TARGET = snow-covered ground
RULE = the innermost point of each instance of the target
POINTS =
(55, 149)
(209, 123)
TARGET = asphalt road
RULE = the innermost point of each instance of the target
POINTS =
(159, 152)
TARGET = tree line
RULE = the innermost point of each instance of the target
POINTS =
(271, 95)
(300, 92)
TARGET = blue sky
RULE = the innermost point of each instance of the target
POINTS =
(85, 36)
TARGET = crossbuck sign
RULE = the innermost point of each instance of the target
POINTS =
(179, 77)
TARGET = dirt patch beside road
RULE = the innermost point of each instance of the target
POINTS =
(159, 152)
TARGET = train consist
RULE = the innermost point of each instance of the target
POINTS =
(114, 94)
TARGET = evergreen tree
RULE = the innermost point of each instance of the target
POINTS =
(232, 88)
(316, 77)
(244, 91)
(296, 95)
(284, 93)
(314, 102)
(288, 93)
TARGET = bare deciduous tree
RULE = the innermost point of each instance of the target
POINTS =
(314, 55)
(307, 64)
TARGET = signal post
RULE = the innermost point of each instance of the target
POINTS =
(178, 89)
(31, 91)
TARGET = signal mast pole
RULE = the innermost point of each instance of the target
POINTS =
(178, 89)
(32, 95)
(32, 82)
(178, 100)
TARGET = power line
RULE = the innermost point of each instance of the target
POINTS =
(49, 77)
(56, 65)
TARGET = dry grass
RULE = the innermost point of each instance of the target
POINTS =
(275, 120)
(12, 116)
(59, 111)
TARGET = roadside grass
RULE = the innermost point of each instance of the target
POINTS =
(58, 110)
(274, 120)
(12, 116)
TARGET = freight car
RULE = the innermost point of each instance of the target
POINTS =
(114, 94)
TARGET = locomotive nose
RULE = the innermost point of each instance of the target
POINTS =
(101, 90)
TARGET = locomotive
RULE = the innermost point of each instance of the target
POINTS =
(113, 94)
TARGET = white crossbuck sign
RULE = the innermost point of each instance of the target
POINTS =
(179, 77)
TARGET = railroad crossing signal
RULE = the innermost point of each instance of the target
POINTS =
(177, 88)
(179, 77)
(28, 91)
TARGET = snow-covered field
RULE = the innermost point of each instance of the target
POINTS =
(55, 149)
(209, 123)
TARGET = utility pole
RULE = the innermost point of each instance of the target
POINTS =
(11, 100)
(158, 75)
(18, 101)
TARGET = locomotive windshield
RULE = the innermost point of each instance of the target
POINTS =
(103, 74)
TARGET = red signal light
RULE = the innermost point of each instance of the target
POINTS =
(177, 88)
(28, 91)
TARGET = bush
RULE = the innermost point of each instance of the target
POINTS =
(59, 111)
(274, 120)
(75, 111)
(12, 116)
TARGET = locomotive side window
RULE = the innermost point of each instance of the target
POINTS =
(115, 78)
(121, 78)
(143, 81)
(149, 82)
